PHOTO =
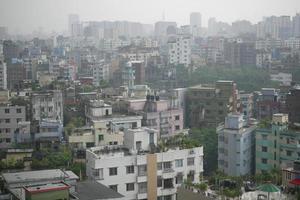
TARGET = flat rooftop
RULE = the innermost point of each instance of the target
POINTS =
(40, 175)
(92, 190)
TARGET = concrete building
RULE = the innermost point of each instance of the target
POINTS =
(296, 25)
(16, 74)
(139, 72)
(97, 109)
(207, 106)
(236, 146)
(293, 104)
(11, 119)
(277, 146)
(3, 75)
(160, 28)
(136, 173)
(266, 103)
(293, 43)
(158, 115)
(16, 183)
(48, 104)
(179, 50)
(263, 58)
(100, 72)
(128, 75)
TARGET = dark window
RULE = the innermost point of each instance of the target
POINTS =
(177, 127)
(19, 110)
(7, 120)
(113, 171)
(114, 187)
(177, 117)
(100, 137)
(7, 110)
(130, 169)
(264, 160)
(264, 149)
(129, 186)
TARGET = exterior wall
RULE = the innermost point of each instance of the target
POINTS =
(3, 75)
(293, 104)
(100, 73)
(9, 123)
(179, 50)
(119, 160)
(47, 105)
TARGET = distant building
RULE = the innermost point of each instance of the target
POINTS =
(16, 74)
(247, 105)
(160, 28)
(236, 144)
(139, 72)
(179, 50)
(100, 72)
(285, 79)
(3, 75)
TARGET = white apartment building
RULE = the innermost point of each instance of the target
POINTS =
(100, 72)
(284, 79)
(236, 144)
(293, 43)
(138, 171)
(96, 109)
(263, 58)
(179, 50)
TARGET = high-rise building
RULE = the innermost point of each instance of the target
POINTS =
(236, 144)
(195, 20)
(10, 50)
(73, 24)
(162, 26)
(16, 74)
(179, 50)
(3, 75)
(139, 69)
(100, 72)
(296, 25)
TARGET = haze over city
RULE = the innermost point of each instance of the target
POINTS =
(51, 15)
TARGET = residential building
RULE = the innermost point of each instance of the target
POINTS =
(293, 104)
(290, 174)
(47, 104)
(138, 172)
(160, 28)
(100, 72)
(179, 50)
(236, 146)
(49, 132)
(263, 58)
(16, 182)
(16, 74)
(97, 109)
(11, 118)
(158, 115)
(128, 75)
(266, 103)
(296, 25)
(277, 146)
(139, 72)
(207, 106)
(293, 43)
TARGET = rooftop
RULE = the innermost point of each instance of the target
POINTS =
(31, 176)
(90, 190)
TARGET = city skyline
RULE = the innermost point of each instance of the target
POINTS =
(53, 15)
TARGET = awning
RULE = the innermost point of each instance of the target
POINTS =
(295, 181)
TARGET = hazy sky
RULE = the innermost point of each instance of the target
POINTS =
(28, 15)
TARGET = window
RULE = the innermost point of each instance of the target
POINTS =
(7, 121)
(179, 163)
(179, 179)
(7, 130)
(6, 110)
(264, 137)
(177, 117)
(138, 145)
(151, 138)
(129, 186)
(142, 188)
(98, 173)
(177, 127)
(114, 187)
(100, 137)
(7, 140)
(167, 165)
(190, 161)
(19, 120)
(264, 160)
(159, 166)
(168, 183)
(130, 169)
(159, 181)
(113, 171)
(289, 153)
(142, 170)
(19, 110)
(264, 149)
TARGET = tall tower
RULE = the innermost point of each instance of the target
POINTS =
(195, 19)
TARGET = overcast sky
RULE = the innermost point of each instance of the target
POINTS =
(28, 15)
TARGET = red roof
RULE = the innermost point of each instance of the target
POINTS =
(295, 181)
